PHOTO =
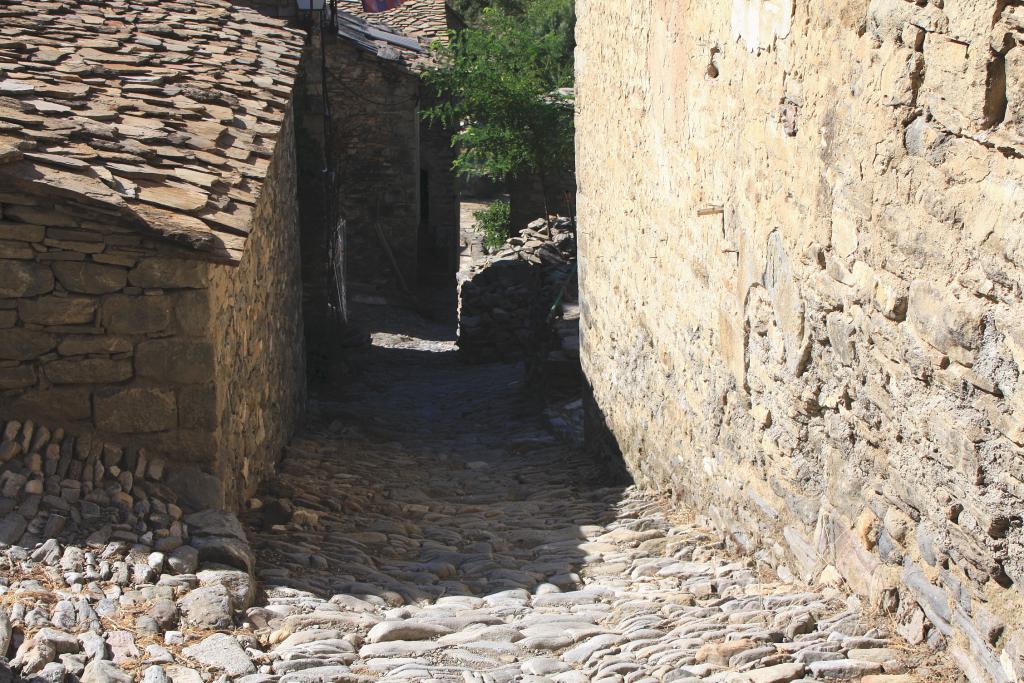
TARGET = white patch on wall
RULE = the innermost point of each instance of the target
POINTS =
(759, 23)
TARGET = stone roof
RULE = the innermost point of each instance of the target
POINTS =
(426, 20)
(383, 41)
(165, 111)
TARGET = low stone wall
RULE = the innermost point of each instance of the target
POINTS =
(801, 276)
(98, 557)
(504, 301)
(528, 198)
(80, 490)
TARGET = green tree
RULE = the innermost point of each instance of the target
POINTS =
(502, 85)
(472, 9)
(494, 223)
(557, 19)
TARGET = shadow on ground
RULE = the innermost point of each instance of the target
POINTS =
(424, 477)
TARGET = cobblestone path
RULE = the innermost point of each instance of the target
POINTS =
(439, 533)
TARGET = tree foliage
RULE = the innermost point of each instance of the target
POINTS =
(472, 9)
(501, 84)
(494, 223)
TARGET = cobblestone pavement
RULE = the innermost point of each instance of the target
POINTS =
(439, 533)
(425, 527)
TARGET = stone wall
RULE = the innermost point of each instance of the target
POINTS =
(801, 266)
(257, 328)
(375, 143)
(439, 249)
(505, 300)
(53, 485)
(104, 331)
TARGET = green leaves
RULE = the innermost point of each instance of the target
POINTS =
(494, 223)
(472, 9)
(498, 84)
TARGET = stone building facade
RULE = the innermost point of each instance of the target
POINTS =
(150, 291)
(801, 274)
(394, 175)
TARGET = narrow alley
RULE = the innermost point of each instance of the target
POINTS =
(725, 384)
(447, 536)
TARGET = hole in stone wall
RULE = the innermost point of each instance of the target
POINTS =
(1000, 577)
(953, 512)
(712, 71)
(995, 97)
(789, 115)
(998, 527)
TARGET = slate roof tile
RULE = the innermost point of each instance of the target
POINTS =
(427, 20)
(165, 112)
(401, 35)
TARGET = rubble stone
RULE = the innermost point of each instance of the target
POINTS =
(221, 651)
(504, 301)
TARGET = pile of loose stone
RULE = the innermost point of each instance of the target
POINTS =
(504, 300)
(53, 485)
(101, 574)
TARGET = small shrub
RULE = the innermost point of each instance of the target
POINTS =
(494, 223)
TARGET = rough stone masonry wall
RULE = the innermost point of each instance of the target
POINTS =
(257, 326)
(375, 139)
(102, 330)
(505, 300)
(440, 252)
(53, 485)
(106, 332)
(801, 262)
